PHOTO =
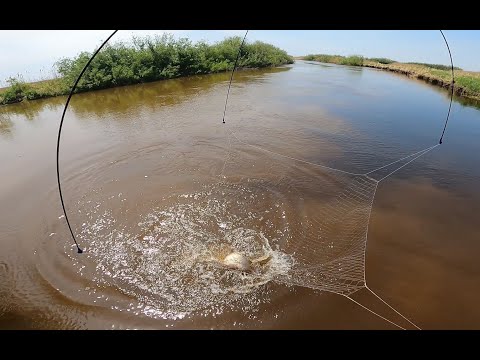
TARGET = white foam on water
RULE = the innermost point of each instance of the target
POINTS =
(166, 262)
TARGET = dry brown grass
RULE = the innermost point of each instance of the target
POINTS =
(467, 83)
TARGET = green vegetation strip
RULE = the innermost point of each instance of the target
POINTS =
(467, 83)
(144, 60)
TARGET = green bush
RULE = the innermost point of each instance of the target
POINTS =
(354, 60)
(382, 60)
(309, 57)
(163, 57)
(16, 91)
(334, 59)
(147, 59)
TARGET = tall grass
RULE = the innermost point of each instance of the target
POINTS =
(467, 83)
(382, 60)
(435, 66)
(333, 59)
(19, 90)
(357, 60)
(353, 60)
(16, 90)
(470, 83)
(147, 59)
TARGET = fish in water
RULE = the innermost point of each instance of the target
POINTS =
(237, 261)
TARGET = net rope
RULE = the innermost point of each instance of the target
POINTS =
(316, 215)
(329, 239)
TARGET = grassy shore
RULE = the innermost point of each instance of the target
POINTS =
(144, 60)
(467, 83)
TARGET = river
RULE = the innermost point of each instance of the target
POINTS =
(144, 171)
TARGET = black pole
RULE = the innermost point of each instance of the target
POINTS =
(231, 76)
(451, 94)
(79, 250)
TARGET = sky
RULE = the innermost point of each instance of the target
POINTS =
(32, 53)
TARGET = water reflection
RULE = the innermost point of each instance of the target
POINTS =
(467, 102)
(125, 102)
(131, 101)
(30, 110)
(414, 241)
(6, 126)
(422, 237)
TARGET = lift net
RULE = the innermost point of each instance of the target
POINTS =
(316, 214)
(309, 221)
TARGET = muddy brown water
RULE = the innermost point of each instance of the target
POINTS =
(140, 169)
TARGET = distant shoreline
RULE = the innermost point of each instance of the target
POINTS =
(467, 83)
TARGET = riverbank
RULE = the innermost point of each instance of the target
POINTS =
(145, 60)
(467, 83)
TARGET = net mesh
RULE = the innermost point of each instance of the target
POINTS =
(312, 221)
(325, 230)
